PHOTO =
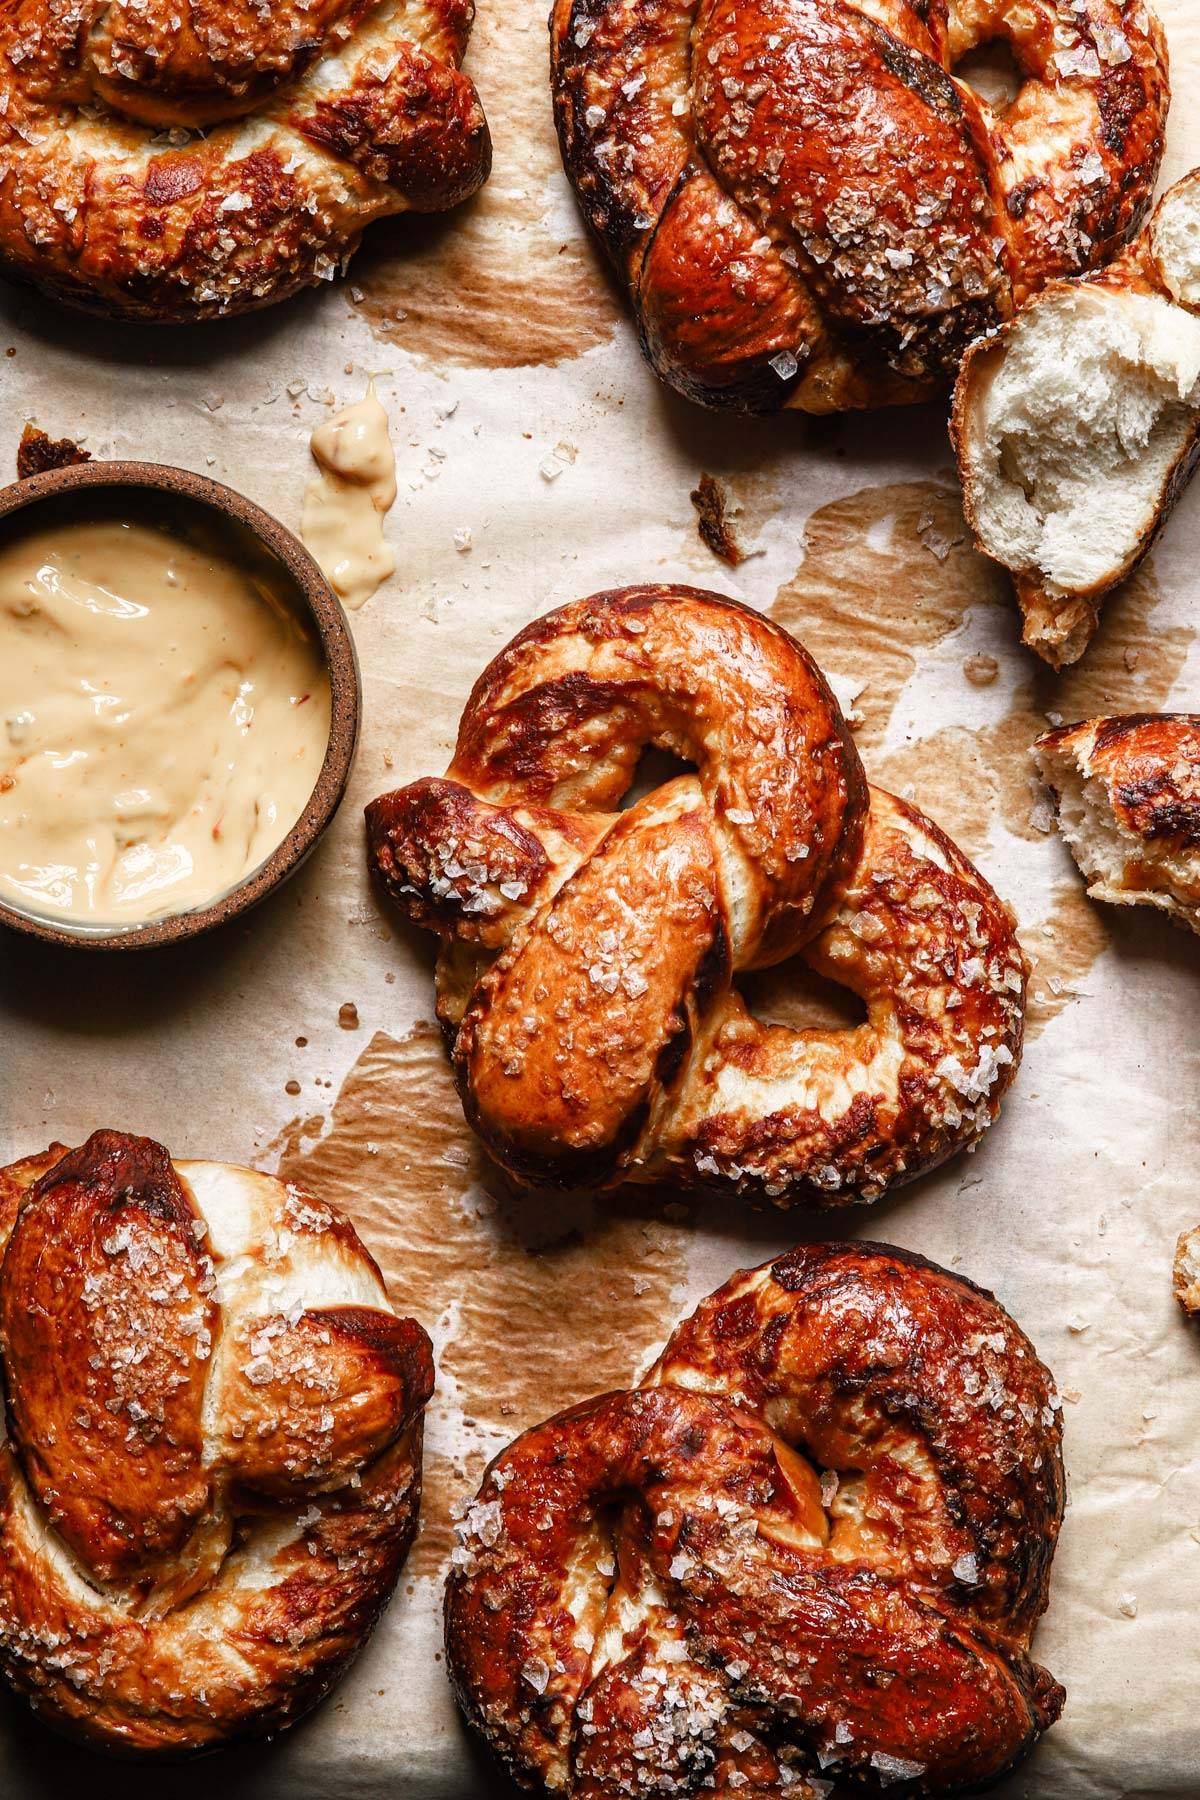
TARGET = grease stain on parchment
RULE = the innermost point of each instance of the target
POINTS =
(500, 283)
(534, 1303)
(889, 575)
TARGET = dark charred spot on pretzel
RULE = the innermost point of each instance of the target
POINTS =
(1157, 814)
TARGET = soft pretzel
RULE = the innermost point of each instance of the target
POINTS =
(180, 159)
(213, 1470)
(1129, 807)
(809, 210)
(585, 978)
(817, 1538)
(1077, 427)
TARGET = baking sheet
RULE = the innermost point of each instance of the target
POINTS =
(521, 411)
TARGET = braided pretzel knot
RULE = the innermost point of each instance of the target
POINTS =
(656, 1593)
(586, 977)
(213, 1473)
(809, 210)
(180, 159)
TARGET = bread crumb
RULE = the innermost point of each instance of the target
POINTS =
(711, 501)
(37, 453)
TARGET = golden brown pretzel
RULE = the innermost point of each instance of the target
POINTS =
(1129, 807)
(181, 159)
(213, 1471)
(809, 210)
(817, 1537)
(585, 980)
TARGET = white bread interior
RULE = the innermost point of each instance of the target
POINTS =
(1078, 424)
(1187, 1270)
(1174, 236)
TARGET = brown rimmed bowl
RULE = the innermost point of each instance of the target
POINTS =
(167, 491)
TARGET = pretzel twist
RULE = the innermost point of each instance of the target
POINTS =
(806, 206)
(817, 1537)
(213, 1472)
(183, 159)
(585, 979)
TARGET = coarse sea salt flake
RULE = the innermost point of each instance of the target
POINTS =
(537, 1673)
(895, 1768)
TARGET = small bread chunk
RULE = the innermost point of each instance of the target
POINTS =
(1129, 807)
(37, 453)
(1077, 427)
(1186, 1282)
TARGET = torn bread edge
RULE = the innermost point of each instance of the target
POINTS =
(1186, 1277)
(1076, 427)
(1128, 792)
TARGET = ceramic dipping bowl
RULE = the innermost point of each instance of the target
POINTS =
(250, 533)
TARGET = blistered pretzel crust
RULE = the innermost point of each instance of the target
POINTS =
(814, 1544)
(808, 209)
(213, 1467)
(586, 978)
(172, 160)
(1129, 807)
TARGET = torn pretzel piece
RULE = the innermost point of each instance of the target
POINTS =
(1077, 427)
(1129, 807)
(1186, 1280)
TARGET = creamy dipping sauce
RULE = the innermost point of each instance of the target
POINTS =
(164, 715)
(342, 523)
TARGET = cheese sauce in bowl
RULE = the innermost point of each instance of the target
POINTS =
(178, 704)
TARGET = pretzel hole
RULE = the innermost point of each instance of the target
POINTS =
(992, 71)
(655, 769)
(793, 995)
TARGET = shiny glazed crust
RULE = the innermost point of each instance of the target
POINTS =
(1129, 806)
(809, 210)
(813, 1545)
(585, 982)
(213, 1468)
(171, 162)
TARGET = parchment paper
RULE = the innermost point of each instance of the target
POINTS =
(521, 410)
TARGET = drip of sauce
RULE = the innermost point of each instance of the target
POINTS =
(164, 715)
(344, 507)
